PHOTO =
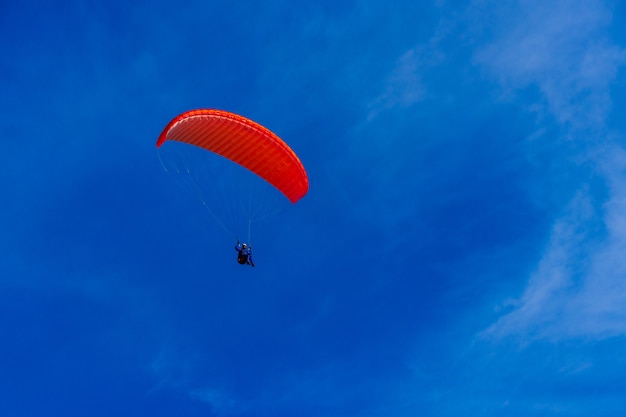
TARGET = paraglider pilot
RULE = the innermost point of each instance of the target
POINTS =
(244, 255)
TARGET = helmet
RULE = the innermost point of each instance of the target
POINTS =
(244, 245)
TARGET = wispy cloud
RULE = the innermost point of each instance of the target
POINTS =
(540, 309)
(221, 403)
(403, 87)
(563, 49)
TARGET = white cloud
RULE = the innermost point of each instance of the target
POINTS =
(601, 303)
(403, 87)
(560, 47)
(578, 288)
(540, 309)
(222, 403)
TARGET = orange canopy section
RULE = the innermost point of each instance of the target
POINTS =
(242, 141)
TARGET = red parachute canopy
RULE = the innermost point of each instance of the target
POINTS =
(242, 141)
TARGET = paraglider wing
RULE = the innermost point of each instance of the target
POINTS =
(242, 141)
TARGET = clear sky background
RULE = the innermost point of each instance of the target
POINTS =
(461, 252)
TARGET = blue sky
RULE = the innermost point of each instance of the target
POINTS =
(460, 252)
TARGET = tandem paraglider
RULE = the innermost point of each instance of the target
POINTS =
(234, 166)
